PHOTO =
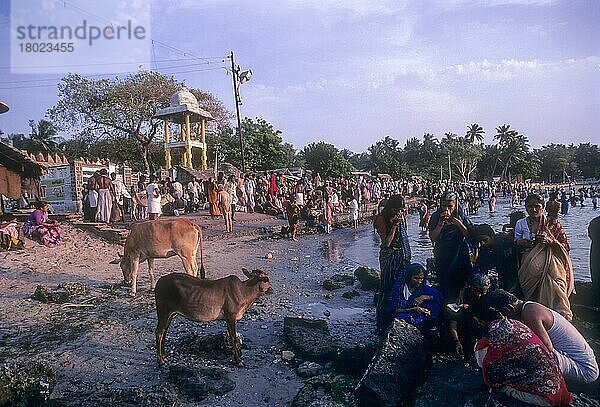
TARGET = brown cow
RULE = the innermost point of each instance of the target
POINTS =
(206, 300)
(161, 238)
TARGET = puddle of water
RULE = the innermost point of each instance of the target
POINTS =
(317, 310)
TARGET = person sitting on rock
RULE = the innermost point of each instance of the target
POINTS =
(514, 362)
(496, 252)
(575, 357)
(414, 301)
(462, 317)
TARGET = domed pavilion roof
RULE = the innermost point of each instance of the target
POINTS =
(184, 97)
(183, 103)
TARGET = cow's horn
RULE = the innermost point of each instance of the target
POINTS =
(115, 261)
(246, 272)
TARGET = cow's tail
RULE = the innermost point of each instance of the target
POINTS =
(202, 271)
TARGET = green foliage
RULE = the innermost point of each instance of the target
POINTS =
(386, 158)
(587, 158)
(264, 148)
(474, 133)
(325, 159)
(556, 162)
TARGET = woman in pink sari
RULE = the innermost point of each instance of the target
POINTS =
(39, 227)
(546, 272)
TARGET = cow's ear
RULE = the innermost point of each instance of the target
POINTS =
(247, 273)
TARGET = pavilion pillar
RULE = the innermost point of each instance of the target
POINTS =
(167, 148)
(203, 139)
(183, 138)
(188, 147)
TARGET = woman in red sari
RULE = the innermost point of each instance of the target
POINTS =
(213, 198)
(515, 362)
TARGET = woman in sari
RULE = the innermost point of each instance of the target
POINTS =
(515, 362)
(394, 252)
(414, 301)
(546, 272)
(39, 227)
(213, 198)
(448, 230)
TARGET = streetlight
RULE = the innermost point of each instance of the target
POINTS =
(217, 148)
(238, 79)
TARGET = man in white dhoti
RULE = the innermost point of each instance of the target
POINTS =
(105, 197)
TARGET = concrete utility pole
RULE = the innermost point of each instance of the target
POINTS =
(236, 93)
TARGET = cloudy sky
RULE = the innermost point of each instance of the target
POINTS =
(351, 72)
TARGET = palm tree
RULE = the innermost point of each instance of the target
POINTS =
(474, 132)
(448, 137)
(503, 133)
(430, 147)
(514, 147)
(44, 136)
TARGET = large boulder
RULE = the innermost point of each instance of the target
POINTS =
(309, 369)
(355, 358)
(338, 281)
(198, 383)
(401, 365)
(310, 338)
(369, 278)
(326, 390)
(26, 383)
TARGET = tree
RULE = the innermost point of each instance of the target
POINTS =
(463, 155)
(263, 146)
(556, 162)
(487, 163)
(474, 133)
(44, 137)
(587, 158)
(386, 157)
(412, 155)
(512, 146)
(325, 159)
(122, 108)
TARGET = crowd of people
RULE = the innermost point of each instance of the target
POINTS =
(502, 298)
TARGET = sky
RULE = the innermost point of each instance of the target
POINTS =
(345, 72)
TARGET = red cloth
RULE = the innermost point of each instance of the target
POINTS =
(273, 190)
(517, 358)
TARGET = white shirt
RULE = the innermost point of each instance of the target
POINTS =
(522, 230)
(177, 189)
(153, 201)
(120, 191)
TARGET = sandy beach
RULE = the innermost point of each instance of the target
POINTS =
(106, 342)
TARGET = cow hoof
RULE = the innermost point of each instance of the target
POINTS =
(126, 283)
(240, 363)
(132, 294)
